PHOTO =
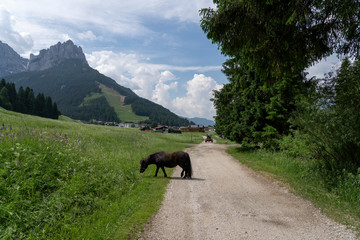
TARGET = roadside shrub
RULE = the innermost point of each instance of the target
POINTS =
(296, 146)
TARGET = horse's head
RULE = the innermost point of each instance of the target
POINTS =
(143, 165)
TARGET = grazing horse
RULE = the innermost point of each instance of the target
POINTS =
(170, 160)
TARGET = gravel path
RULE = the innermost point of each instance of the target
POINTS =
(226, 200)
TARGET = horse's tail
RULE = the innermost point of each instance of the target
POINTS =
(188, 165)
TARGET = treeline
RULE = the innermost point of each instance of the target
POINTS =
(97, 108)
(24, 101)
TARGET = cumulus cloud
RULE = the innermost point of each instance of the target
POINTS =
(161, 93)
(130, 70)
(197, 102)
(21, 42)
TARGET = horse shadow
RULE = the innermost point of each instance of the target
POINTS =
(187, 179)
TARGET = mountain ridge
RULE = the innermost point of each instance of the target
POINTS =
(10, 61)
(48, 58)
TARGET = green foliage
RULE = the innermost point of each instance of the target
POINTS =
(330, 117)
(282, 37)
(66, 180)
(251, 113)
(97, 108)
(24, 101)
(296, 146)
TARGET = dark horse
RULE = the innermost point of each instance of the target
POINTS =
(170, 160)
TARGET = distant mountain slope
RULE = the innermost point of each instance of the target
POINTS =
(10, 61)
(81, 92)
(68, 84)
(202, 121)
(72, 81)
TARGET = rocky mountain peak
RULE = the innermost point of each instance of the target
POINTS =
(10, 61)
(52, 56)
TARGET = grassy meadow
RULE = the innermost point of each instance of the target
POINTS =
(61, 179)
(124, 112)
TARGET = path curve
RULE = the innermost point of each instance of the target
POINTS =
(226, 200)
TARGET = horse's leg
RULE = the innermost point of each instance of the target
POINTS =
(183, 170)
(157, 169)
(164, 171)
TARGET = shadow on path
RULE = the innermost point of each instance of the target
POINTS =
(190, 179)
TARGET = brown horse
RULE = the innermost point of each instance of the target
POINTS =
(170, 160)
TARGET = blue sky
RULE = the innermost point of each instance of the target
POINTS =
(154, 47)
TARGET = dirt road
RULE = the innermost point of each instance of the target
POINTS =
(226, 200)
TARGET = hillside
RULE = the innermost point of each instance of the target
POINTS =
(83, 93)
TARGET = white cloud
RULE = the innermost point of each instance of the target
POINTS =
(197, 102)
(21, 42)
(129, 70)
(88, 36)
(119, 17)
(161, 93)
(329, 64)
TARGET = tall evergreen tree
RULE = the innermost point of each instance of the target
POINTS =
(5, 99)
(21, 98)
(283, 36)
(29, 101)
(55, 112)
(2, 83)
(269, 44)
(40, 107)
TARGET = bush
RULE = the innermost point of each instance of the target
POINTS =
(330, 119)
(295, 145)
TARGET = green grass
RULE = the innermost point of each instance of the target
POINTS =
(221, 140)
(124, 112)
(302, 177)
(61, 179)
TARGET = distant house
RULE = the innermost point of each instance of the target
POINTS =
(193, 128)
(161, 128)
(129, 125)
(146, 128)
(196, 128)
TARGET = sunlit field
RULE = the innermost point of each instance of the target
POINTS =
(62, 179)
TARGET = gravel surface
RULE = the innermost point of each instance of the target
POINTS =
(226, 200)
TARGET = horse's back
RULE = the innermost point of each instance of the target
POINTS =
(180, 155)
